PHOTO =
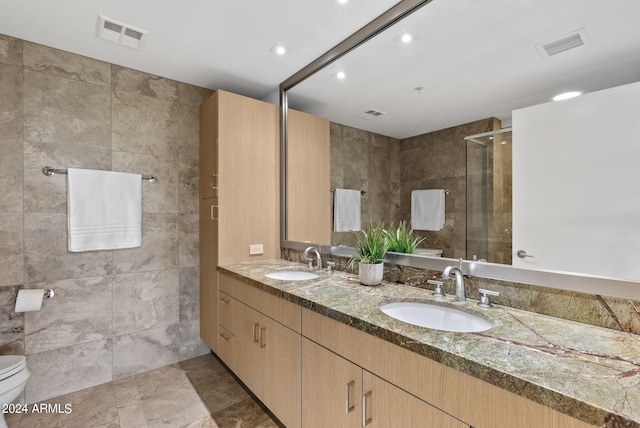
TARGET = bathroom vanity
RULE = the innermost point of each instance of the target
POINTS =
(326, 341)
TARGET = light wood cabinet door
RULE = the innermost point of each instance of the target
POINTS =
(280, 347)
(228, 348)
(208, 276)
(249, 358)
(308, 178)
(331, 389)
(209, 147)
(385, 405)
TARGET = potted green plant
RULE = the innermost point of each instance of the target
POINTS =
(371, 246)
(400, 239)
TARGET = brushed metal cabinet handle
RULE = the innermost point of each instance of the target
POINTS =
(349, 407)
(366, 421)
(256, 332)
(263, 335)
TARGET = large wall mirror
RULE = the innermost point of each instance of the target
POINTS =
(417, 106)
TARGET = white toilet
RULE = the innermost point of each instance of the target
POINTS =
(13, 378)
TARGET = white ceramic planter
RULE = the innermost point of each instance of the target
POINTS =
(370, 274)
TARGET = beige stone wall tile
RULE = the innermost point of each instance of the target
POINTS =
(46, 254)
(68, 369)
(11, 248)
(49, 194)
(145, 300)
(189, 132)
(189, 248)
(80, 312)
(64, 111)
(188, 186)
(158, 197)
(10, 102)
(192, 95)
(10, 51)
(189, 294)
(145, 350)
(191, 345)
(64, 64)
(138, 82)
(159, 250)
(11, 324)
(11, 175)
(145, 125)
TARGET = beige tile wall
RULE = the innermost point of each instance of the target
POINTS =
(115, 313)
(389, 170)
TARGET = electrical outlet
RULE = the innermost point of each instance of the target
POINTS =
(256, 249)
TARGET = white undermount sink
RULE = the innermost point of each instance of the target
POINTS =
(436, 316)
(291, 275)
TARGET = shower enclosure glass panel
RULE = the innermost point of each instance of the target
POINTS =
(489, 214)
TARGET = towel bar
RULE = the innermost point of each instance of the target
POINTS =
(49, 171)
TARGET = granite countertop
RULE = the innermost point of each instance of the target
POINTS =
(590, 373)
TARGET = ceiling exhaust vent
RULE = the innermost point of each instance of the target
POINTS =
(370, 114)
(124, 34)
(564, 43)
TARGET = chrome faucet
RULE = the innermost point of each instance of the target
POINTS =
(317, 254)
(460, 294)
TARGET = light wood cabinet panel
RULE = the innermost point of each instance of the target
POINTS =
(331, 389)
(281, 371)
(209, 147)
(469, 399)
(248, 178)
(249, 358)
(308, 178)
(238, 192)
(385, 405)
(281, 310)
(227, 348)
(208, 276)
(266, 354)
(228, 310)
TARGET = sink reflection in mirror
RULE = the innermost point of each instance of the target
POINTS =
(436, 316)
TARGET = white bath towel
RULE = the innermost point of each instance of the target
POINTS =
(104, 210)
(427, 209)
(346, 210)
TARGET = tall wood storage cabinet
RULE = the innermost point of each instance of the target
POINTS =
(239, 197)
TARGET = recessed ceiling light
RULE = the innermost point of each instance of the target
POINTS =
(278, 50)
(566, 96)
(341, 75)
(405, 38)
(343, 1)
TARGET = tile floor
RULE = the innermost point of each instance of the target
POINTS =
(196, 393)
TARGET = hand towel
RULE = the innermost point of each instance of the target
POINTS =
(346, 210)
(427, 209)
(104, 210)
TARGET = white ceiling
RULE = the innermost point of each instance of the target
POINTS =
(217, 44)
(473, 58)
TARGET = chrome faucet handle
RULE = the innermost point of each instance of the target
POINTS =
(438, 291)
(330, 266)
(484, 299)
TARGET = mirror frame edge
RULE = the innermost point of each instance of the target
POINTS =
(559, 280)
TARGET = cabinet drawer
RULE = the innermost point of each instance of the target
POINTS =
(227, 348)
(227, 307)
(283, 311)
